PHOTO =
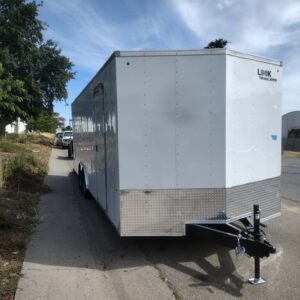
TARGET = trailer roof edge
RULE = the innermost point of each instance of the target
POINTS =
(113, 55)
(215, 51)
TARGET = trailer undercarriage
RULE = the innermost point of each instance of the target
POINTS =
(243, 236)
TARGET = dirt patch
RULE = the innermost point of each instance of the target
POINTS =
(291, 154)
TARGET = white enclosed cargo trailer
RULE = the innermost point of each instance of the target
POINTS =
(165, 139)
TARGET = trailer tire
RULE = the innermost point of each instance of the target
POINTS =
(80, 180)
(70, 150)
(84, 189)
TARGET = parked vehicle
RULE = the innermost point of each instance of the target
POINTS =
(67, 137)
(58, 139)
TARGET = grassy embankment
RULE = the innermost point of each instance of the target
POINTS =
(23, 165)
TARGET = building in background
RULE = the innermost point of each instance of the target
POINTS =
(291, 131)
(291, 124)
(16, 127)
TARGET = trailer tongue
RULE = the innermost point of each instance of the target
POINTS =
(243, 236)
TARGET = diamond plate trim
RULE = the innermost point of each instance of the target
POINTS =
(265, 193)
(165, 212)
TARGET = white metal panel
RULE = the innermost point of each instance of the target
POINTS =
(111, 128)
(171, 116)
(200, 121)
(97, 88)
(146, 94)
(253, 121)
(107, 183)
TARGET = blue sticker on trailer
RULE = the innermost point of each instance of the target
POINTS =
(274, 137)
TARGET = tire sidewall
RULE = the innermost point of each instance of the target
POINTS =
(82, 186)
(80, 179)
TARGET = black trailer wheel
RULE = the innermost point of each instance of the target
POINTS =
(84, 189)
(80, 181)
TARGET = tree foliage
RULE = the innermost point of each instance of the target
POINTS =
(60, 120)
(11, 95)
(218, 43)
(45, 122)
(67, 128)
(35, 69)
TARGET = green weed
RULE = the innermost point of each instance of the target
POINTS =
(9, 277)
(11, 148)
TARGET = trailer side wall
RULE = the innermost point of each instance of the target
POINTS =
(96, 139)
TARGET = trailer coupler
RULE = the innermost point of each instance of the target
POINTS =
(245, 238)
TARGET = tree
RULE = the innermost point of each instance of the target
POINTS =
(37, 67)
(67, 128)
(218, 43)
(60, 120)
(11, 97)
(45, 122)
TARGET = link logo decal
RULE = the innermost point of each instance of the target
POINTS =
(265, 75)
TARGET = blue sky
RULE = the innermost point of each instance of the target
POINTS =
(89, 31)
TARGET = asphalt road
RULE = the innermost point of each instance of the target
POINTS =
(75, 253)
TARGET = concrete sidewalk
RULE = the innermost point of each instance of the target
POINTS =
(74, 252)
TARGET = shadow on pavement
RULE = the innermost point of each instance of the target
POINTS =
(63, 158)
(75, 232)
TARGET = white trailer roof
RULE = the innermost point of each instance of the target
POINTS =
(216, 51)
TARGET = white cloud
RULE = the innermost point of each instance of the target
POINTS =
(260, 27)
(290, 14)
(249, 25)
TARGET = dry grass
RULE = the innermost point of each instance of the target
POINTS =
(291, 154)
(24, 165)
(46, 139)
